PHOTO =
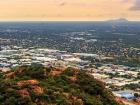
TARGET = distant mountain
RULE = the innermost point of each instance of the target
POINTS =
(121, 20)
(37, 85)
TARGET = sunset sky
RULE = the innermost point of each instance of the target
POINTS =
(66, 10)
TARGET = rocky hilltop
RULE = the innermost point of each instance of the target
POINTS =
(38, 85)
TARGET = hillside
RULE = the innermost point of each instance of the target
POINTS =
(36, 85)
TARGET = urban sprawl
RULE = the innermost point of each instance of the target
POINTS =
(117, 77)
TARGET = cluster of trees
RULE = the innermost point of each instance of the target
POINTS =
(132, 86)
(127, 61)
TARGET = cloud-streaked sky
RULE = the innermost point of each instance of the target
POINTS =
(69, 9)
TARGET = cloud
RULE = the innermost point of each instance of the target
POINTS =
(125, 1)
(136, 6)
(62, 3)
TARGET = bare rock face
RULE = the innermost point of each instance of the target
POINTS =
(27, 82)
(56, 71)
(37, 90)
(23, 93)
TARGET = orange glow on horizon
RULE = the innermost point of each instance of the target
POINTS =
(67, 10)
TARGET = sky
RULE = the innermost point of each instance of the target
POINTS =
(68, 10)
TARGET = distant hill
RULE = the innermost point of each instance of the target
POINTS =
(36, 85)
(121, 20)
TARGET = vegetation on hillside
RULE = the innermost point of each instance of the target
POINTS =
(37, 85)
